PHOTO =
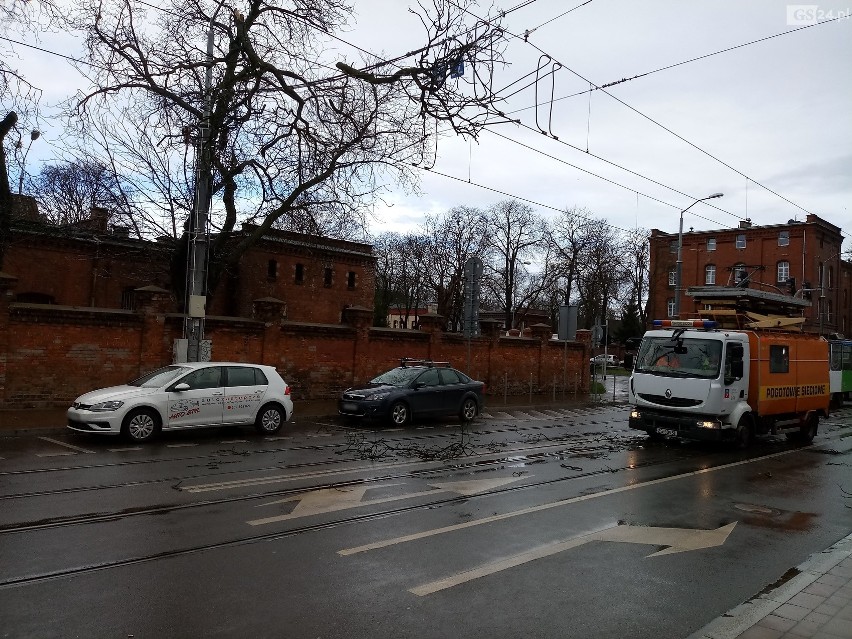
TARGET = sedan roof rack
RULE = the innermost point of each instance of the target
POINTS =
(410, 361)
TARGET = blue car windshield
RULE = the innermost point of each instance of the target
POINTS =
(402, 376)
(159, 377)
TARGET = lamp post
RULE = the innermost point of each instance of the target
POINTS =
(34, 135)
(196, 272)
(679, 264)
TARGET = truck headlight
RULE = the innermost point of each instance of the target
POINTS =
(635, 414)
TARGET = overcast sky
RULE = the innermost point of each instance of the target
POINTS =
(774, 113)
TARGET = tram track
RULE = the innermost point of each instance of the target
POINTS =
(221, 456)
(19, 581)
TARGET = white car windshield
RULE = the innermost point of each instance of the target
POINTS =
(159, 377)
(681, 358)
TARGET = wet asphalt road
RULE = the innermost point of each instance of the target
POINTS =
(525, 524)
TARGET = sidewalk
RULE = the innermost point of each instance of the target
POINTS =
(816, 602)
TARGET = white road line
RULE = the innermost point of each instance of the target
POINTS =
(180, 445)
(555, 504)
(71, 446)
(54, 454)
(500, 564)
(279, 438)
(233, 441)
(124, 450)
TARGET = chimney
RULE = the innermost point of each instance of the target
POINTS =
(121, 230)
(99, 217)
(24, 207)
(745, 224)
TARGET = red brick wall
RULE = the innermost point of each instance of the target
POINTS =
(50, 355)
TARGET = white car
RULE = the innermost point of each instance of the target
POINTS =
(185, 396)
(598, 360)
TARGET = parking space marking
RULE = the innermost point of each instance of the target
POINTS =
(71, 446)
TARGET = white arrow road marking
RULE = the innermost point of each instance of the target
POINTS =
(549, 505)
(678, 540)
(329, 500)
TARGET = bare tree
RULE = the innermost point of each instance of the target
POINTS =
(289, 140)
(67, 192)
(516, 235)
(452, 239)
(571, 235)
(636, 262)
(599, 274)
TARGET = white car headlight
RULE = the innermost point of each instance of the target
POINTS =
(105, 407)
(377, 396)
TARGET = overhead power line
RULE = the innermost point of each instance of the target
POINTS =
(650, 119)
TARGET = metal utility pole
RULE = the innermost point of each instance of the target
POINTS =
(196, 272)
(679, 265)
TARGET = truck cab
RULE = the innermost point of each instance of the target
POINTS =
(693, 381)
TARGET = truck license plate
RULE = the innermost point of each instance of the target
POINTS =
(667, 432)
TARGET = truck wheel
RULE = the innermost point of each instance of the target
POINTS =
(745, 434)
(809, 429)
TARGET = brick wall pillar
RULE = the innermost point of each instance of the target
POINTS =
(361, 319)
(542, 333)
(152, 303)
(433, 324)
(271, 312)
(7, 294)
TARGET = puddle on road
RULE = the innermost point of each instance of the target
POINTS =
(766, 517)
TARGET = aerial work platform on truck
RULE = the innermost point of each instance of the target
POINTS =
(734, 307)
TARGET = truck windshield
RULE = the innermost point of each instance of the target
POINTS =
(696, 357)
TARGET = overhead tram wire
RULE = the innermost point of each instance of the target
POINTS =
(669, 66)
(574, 166)
(634, 109)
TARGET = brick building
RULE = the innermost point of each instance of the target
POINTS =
(94, 264)
(771, 258)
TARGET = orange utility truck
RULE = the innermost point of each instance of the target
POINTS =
(695, 381)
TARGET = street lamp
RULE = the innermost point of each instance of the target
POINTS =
(34, 135)
(679, 265)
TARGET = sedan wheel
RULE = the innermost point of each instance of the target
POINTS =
(399, 414)
(269, 419)
(468, 410)
(141, 424)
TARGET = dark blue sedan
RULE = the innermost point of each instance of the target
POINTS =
(416, 388)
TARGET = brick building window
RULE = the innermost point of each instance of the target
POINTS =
(128, 301)
(300, 273)
(35, 298)
(272, 269)
(672, 278)
(710, 274)
(784, 238)
(673, 246)
(326, 277)
(741, 241)
(830, 277)
(711, 243)
(350, 279)
(739, 273)
(670, 307)
(783, 272)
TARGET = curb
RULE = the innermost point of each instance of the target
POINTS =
(739, 619)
